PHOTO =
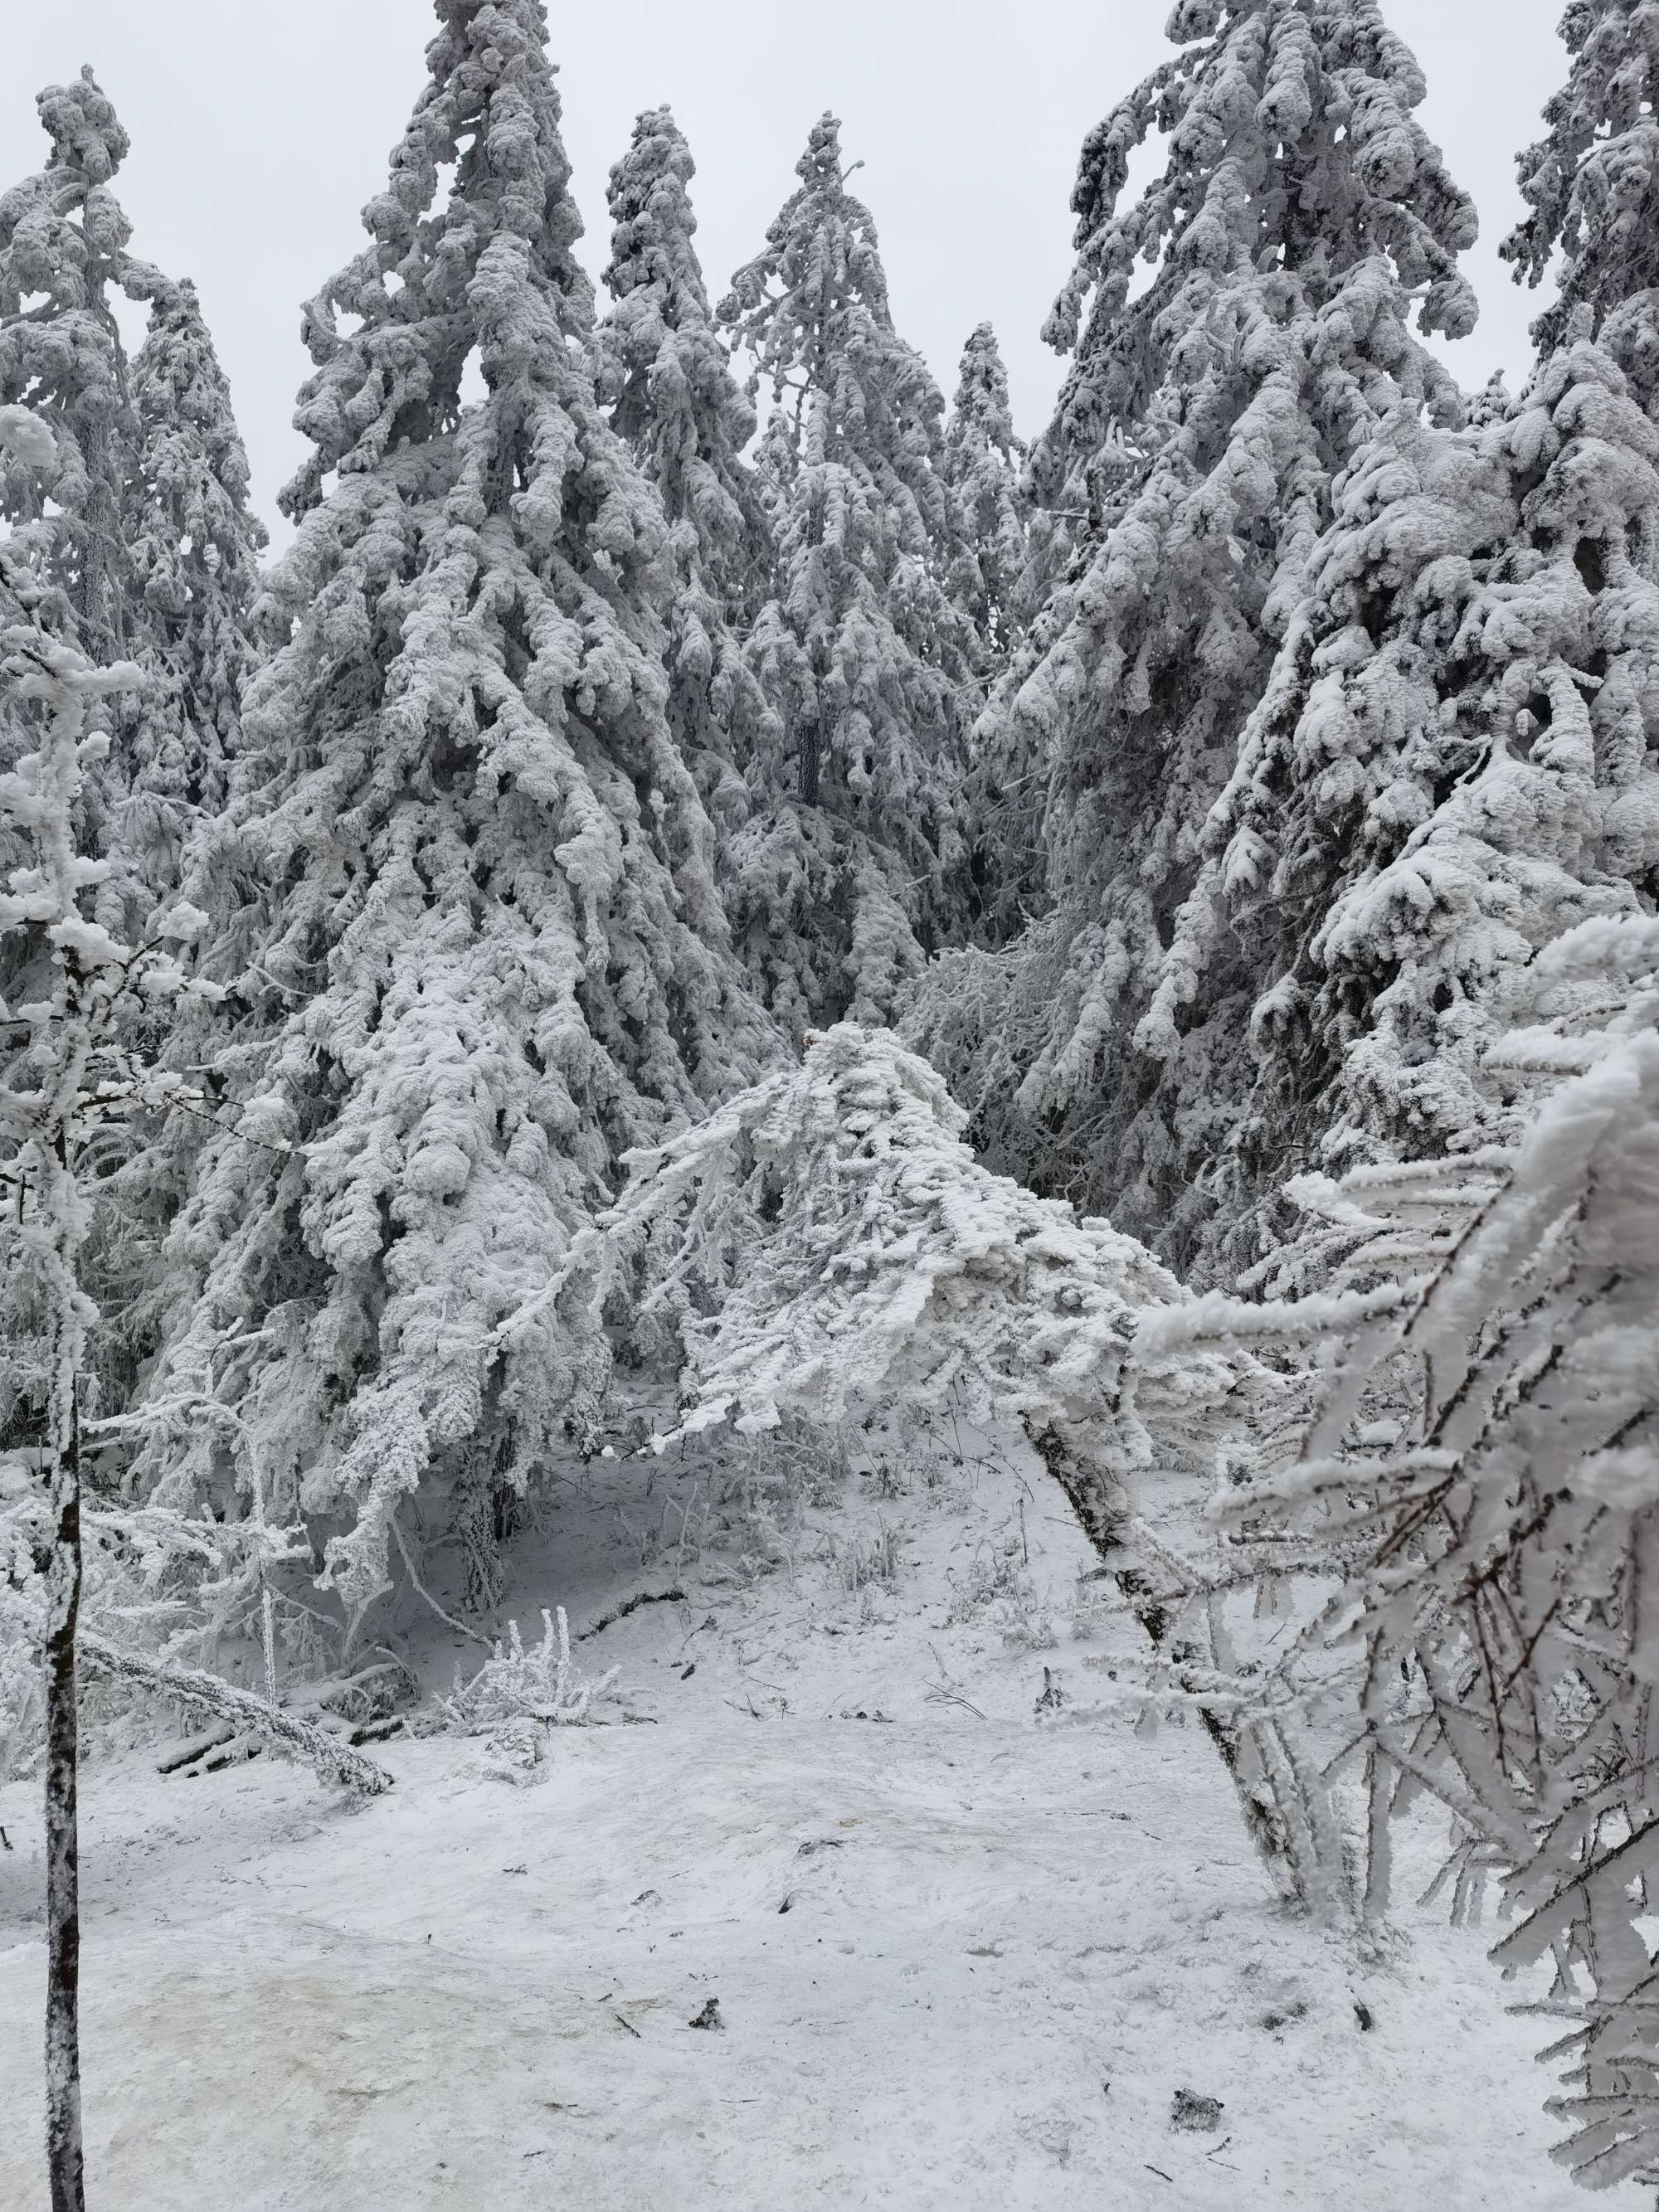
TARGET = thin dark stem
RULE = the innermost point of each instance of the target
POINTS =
(63, 2151)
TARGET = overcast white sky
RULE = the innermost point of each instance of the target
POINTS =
(259, 127)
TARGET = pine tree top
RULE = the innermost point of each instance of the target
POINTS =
(651, 210)
(432, 284)
(981, 414)
(63, 235)
(1591, 180)
(819, 277)
(1294, 156)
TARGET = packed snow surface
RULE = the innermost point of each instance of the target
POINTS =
(962, 1955)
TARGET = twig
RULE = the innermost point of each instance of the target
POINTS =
(629, 2025)
(460, 1627)
(631, 1605)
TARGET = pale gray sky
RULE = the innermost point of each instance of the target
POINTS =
(259, 130)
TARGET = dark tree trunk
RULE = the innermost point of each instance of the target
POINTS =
(64, 2154)
(809, 765)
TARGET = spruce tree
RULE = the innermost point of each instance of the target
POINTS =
(194, 548)
(1451, 768)
(688, 422)
(475, 937)
(63, 250)
(1300, 214)
(1592, 186)
(983, 468)
(136, 528)
(853, 865)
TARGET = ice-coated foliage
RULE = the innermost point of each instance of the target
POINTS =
(1301, 221)
(129, 517)
(688, 422)
(63, 252)
(983, 466)
(474, 933)
(856, 1254)
(1591, 186)
(1452, 766)
(195, 550)
(853, 865)
(1482, 1474)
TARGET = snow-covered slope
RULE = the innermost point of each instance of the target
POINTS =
(962, 1957)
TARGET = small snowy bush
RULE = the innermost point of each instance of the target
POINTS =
(519, 1683)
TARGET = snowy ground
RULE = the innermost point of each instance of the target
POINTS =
(961, 1958)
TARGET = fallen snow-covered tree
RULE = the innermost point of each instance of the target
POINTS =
(826, 1243)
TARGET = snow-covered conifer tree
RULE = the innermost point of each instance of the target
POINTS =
(135, 528)
(71, 1076)
(63, 251)
(475, 935)
(1452, 766)
(194, 547)
(1301, 220)
(1592, 186)
(854, 863)
(688, 422)
(983, 466)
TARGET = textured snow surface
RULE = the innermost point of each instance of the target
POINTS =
(470, 1993)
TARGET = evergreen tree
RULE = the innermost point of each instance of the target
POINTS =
(983, 465)
(1451, 767)
(983, 468)
(853, 865)
(1300, 212)
(136, 529)
(1592, 184)
(63, 251)
(475, 933)
(194, 547)
(688, 422)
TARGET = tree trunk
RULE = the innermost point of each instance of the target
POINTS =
(64, 2154)
(1101, 1504)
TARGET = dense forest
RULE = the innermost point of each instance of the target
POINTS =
(707, 878)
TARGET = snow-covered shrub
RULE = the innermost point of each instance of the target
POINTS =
(863, 1561)
(536, 1682)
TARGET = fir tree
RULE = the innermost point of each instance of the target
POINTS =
(688, 422)
(983, 468)
(136, 528)
(1592, 184)
(1451, 767)
(1300, 211)
(983, 465)
(854, 864)
(63, 251)
(476, 933)
(194, 547)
